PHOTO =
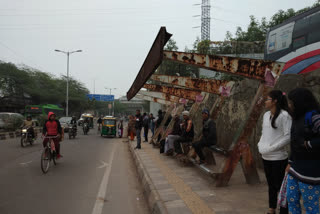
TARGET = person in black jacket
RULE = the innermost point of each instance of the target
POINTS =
(209, 135)
(138, 127)
(304, 162)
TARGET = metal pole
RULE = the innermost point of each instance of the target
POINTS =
(67, 99)
(108, 106)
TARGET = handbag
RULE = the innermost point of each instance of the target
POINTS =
(282, 196)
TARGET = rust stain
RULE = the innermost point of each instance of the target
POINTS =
(179, 92)
(250, 68)
(207, 85)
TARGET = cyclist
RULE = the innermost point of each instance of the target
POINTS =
(29, 124)
(52, 128)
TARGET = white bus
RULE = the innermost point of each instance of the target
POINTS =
(296, 42)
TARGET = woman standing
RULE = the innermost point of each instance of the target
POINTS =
(275, 136)
(304, 163)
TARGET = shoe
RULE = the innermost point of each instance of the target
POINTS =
(137, 148)
(59, 156)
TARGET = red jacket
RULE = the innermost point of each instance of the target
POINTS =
(51, 127)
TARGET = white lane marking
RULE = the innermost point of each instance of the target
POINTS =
(98, 206)
(104, 164)
(26, 163)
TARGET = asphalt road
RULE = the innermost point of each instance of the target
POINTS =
(96, 175)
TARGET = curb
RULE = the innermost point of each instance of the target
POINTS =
(155, 204)
(16, 134)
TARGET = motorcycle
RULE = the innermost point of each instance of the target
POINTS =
(26, 137)
(72, 132)
(85, 128)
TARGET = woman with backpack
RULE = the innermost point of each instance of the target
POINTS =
(275, 136)
(304, 162)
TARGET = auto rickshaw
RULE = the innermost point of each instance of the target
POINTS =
(109, 127)
(90, 117)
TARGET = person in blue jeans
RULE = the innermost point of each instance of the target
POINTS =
(304, 162)
(138, 127)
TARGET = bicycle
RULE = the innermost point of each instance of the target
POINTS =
(49, 153)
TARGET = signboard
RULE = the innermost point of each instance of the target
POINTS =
(101, 97)
(280, 38)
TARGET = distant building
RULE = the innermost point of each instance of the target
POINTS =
(134, 104)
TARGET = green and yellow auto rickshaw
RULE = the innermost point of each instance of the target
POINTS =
(109, 127)
(88, 117)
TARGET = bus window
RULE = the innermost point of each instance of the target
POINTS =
(315, 19)
(314, 36)
(299, 42)
(301, 27)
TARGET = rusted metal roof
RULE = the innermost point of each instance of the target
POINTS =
(153, 99)
(151, 63)
(207, 85)
(250, 68)
(160, 95)
(179, 92)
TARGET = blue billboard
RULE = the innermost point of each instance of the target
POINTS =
(101, 97)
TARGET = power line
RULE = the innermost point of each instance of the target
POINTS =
(19, 55)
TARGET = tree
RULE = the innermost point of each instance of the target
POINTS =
(20, 84)
(203, 47)
(171, 45)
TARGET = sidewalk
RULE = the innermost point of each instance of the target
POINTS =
(172, 187)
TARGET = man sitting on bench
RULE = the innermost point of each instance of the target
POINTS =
(209, 135)
(187, 133)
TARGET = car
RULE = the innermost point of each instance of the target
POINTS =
(80, 121)
(65, 122)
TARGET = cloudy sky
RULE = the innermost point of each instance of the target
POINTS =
(115, 35)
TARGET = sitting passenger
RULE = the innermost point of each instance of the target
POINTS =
(209, 135)
(175, 134)
(187, 133)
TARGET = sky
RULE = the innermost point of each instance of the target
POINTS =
(114, 35)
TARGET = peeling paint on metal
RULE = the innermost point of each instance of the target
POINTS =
(179, 92)
(206, 85)
(250, 68)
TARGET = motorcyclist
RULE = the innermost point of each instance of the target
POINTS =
(99, 123)
(52, 128)
(73, 122)
(86, 121)
(29, 124)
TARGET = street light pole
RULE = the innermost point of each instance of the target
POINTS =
(68, 53)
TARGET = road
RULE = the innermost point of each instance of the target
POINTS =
(96, 175)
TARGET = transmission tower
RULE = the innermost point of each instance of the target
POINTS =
(205, 20)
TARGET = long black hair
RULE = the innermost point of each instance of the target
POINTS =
(281, 104)
(303, 101)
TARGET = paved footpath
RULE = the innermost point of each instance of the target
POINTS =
(171, 187)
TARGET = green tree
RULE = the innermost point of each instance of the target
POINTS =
(203, 47)
(25, 83)
(171, 45)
